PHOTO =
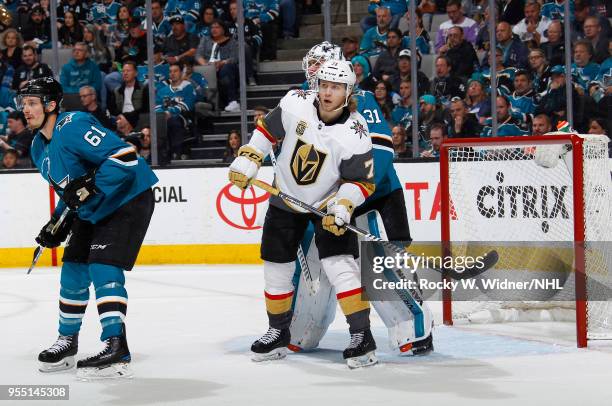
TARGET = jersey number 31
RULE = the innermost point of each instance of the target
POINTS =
(371, 116)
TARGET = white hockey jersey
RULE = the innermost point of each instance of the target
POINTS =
(317, 159)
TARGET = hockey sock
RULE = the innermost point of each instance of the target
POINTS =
(343, 273)
(355, 308)
(111, 297)
(278, 293)
(74, 295)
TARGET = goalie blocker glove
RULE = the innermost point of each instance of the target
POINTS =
(245, 166)
(46, 238)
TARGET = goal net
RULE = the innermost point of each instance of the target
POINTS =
(544, 203)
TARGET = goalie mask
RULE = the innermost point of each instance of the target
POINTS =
(338, 72)
(316, 57)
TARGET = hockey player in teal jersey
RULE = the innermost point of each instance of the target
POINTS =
(313, 314)
(107, 189)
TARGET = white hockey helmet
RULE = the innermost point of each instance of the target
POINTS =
(318, 55)
(338, 71)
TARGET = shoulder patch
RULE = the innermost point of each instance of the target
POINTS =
(67, 119)
(359, 129)
(300, 93)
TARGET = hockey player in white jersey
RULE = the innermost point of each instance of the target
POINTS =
(408, 319)
(326, 161)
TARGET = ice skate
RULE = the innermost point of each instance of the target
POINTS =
(272, 346)
(112, 362)
(419, 347)
(60, 356)
(360, 352)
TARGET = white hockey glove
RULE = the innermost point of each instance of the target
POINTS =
(339, 213)
(245, 166)
(548, 155)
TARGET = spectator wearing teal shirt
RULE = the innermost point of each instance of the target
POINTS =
(402, 113)
(397, 8)
(583, 65)
(523, 99)
(80, 71)
(555, 10)
(374, 39)
(508, 125)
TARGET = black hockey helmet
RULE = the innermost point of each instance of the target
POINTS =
(47, 89)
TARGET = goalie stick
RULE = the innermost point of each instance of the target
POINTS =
(311, 284)
(39, 250)
(489, 259)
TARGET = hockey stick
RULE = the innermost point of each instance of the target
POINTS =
(311, 284)
(489, 259)
(39, 250)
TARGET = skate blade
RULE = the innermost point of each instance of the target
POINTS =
(363, 361)
(63, 365)
(120, 370)
(408, 350)
(278, 353)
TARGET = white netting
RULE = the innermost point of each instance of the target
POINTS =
(500, 194)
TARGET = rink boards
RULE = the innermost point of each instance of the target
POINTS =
(199, 217)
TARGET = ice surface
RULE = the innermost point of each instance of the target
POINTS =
(190, 329)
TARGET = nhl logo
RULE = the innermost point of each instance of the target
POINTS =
(301, 127)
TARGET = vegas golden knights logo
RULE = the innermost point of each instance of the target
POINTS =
(306, 163)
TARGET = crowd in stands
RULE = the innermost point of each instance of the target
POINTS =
(455, 101)
(108, 71)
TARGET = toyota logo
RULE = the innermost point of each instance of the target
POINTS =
(246, 199)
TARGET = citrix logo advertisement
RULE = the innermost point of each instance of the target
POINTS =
(240, 210)
(522, 201)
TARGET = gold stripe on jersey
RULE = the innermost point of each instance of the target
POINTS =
(367, 188)
(261, 126)
(306, 163)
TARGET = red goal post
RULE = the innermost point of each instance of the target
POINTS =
(462, 158)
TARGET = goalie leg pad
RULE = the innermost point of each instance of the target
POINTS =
(312, 314)
(407, 319)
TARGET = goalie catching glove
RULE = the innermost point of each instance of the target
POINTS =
(339, 213)
(245, 166)
(548, 156)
